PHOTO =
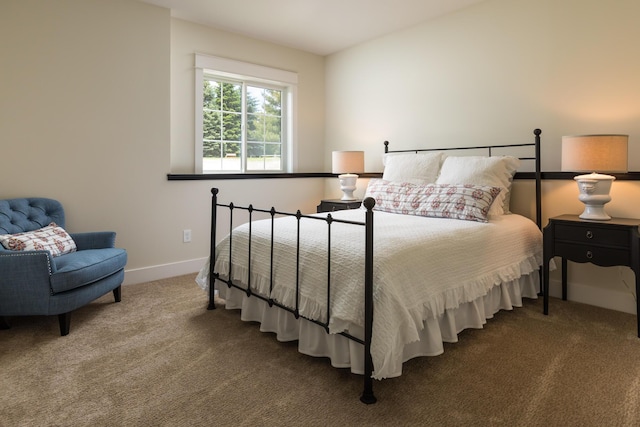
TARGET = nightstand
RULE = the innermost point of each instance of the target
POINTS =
(603, 243)
(330, 205)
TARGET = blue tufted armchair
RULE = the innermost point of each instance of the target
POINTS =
(33, 282)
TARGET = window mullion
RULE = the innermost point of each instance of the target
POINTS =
(243, 128)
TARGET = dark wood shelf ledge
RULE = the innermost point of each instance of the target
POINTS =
(629, 176)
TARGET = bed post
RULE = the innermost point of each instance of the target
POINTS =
(367, 394)
(212, 248)
(537, 133)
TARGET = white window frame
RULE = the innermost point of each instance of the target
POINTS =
(249, 73)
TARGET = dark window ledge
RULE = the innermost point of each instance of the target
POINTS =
(629, 176)
(221, 176)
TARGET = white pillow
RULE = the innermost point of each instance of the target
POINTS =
(478, 170)
(417, 168)
(50, 238)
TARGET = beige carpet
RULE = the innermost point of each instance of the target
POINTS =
(159, 358)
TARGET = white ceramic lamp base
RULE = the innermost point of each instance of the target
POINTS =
(348, 185)
(594, 193)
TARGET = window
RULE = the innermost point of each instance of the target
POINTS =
(244, 117)
(242, 126)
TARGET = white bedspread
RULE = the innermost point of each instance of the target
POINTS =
(422, 267)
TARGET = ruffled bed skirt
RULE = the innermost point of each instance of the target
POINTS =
(345, 353)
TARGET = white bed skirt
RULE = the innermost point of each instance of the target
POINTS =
(345, 353)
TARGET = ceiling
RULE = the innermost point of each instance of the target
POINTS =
(317, 26)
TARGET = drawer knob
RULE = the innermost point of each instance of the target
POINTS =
(589, 234)
(589, 254)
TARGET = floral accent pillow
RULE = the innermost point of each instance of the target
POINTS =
(457, 201)
(51, 238)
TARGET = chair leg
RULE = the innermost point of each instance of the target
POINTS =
(117, 293)
(65, 321)
(4, 322)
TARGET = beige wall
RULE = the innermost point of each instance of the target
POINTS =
(286, 195)
(188, 38)
(492, 73)
(84, 115)
(96, 108)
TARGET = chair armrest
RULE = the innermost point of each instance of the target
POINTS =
(24, 274)
(94, 240)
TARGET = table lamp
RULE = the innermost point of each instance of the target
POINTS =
(347, 164)
(595, 153)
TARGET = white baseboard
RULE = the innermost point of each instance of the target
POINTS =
(157, 272)
(599, 297)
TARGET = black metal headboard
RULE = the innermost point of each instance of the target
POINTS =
(490, 149)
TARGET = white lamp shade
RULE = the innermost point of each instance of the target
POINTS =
(347, 162)
(594, 153)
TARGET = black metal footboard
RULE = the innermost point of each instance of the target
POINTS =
(367, 394)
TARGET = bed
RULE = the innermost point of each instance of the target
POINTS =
(443, 254)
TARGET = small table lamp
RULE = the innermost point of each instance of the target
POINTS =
(601, 153)
(347, 164)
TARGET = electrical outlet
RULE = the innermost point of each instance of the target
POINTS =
(186, 236)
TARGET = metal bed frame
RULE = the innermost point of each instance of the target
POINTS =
(367, 395)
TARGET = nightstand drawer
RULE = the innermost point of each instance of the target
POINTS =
(332, 205)
(584, 234)
(598, 255)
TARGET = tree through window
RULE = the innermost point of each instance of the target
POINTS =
(264, 129)
(241, 127)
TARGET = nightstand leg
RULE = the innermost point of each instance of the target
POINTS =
(635, 266)
(564, 279)
(636, 270)
(545, 285)
(547, 256)
(638, 303)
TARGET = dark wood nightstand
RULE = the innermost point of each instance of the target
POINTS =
(603, 243)
(330, 205)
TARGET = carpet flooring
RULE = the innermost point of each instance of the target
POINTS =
(159, 358)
